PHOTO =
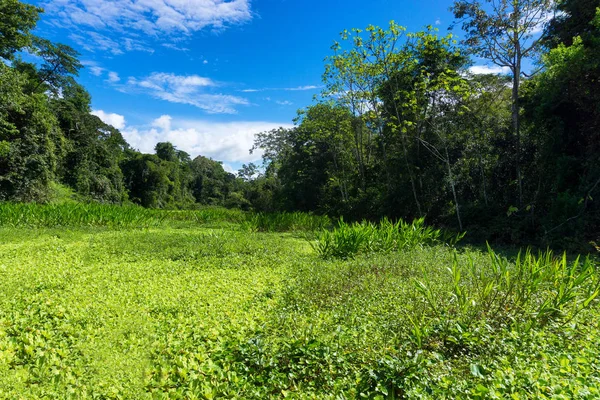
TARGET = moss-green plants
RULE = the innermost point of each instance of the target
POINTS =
(204, 310)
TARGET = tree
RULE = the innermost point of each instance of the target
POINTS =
(17, 19)
(29, 140)
(248, 172)
(506, 32)
(210, 183)
(353, 77)
(574, 19)
(166, 151)
(563, 104)
(60, 62)
(424, 98)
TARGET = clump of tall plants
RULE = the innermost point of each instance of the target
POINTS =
(531, 292)
(78, 214)
(348, 240)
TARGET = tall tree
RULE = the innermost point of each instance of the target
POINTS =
(563, 104)
(17, 19)
(29, 137)
(506, 32)
(60, 63)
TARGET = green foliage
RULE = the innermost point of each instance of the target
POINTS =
(284, 221)
(60, 63)
(77, 214)
(529, 293)
(348, 240)
(179, 311)
(212, 185)
(562, 105)
(30, 140)
(17, 19)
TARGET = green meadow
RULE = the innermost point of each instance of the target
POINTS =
(218, 307)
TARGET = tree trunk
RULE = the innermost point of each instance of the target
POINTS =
(515, 115)
(452, 185)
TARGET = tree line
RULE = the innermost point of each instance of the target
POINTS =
(49, 138)
(402, 129)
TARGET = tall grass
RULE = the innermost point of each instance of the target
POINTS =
(347, 240)
(530, 292)
(285, 221)
(94, 214)
(77, 214)
(208, 215)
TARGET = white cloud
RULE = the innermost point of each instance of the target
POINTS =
(186, 89)
(116, 120)
(93, 67)
(113, 77)
(438, 21)
(132, 18)
(94, 41)
(537, 25)
(96, 71)
(175, 47)
(308, 87)
(284, 103)
(294, 89)
(486, 69)
(229, 168)
(163, 122)
(224, 141)
(205, 62)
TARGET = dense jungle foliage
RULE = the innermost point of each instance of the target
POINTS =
(401, 130)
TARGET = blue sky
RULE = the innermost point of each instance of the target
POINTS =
(208, 74)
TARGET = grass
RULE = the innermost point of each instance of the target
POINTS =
(214, 309)
(114, 216)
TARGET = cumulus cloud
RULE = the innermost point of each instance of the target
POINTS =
(116, 120)
(224, 141)
(486, 69)
(229, 168)
(162, 19)
(185, 89)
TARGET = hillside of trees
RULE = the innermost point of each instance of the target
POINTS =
(402, 129)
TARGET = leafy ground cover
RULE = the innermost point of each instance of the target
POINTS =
(221, 310)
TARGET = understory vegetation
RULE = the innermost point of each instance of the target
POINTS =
(206, 308)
